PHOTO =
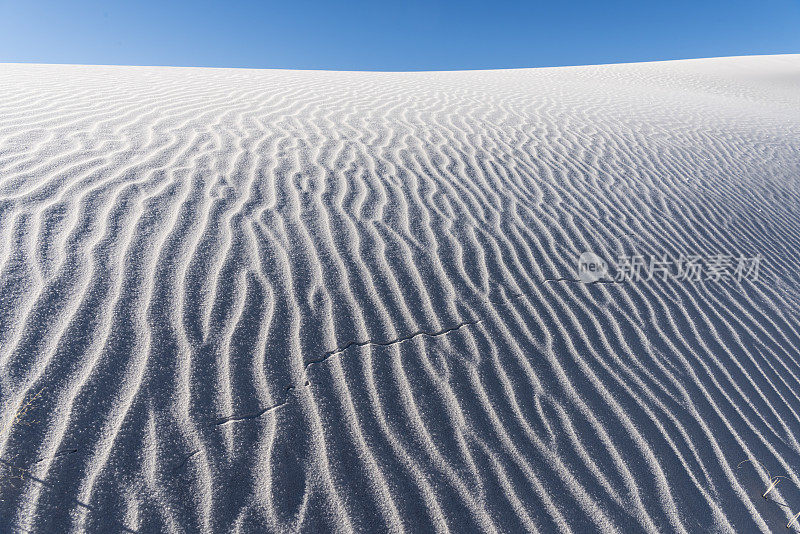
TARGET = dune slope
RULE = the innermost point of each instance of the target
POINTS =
(271, 301)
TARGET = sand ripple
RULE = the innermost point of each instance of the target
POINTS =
(320, 301)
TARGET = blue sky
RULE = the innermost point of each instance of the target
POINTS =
(414, 35)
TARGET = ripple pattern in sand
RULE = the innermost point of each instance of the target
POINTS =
(272, 301)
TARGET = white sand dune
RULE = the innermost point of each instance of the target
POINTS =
(273, 301)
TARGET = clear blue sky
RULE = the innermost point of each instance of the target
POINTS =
(414, 35)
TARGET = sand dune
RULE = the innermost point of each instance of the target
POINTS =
(274, 301)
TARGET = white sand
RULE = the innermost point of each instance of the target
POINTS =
(273, 300)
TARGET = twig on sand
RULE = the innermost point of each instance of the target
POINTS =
(30, 476)
(19, 415)
(773, 482)
(19, 419)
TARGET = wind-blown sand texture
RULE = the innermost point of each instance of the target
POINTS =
(273, 301)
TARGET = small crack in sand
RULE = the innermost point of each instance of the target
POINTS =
(336, 352)
(580, 281)
(392, 342)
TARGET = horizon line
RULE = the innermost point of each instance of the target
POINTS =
(391, 71)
